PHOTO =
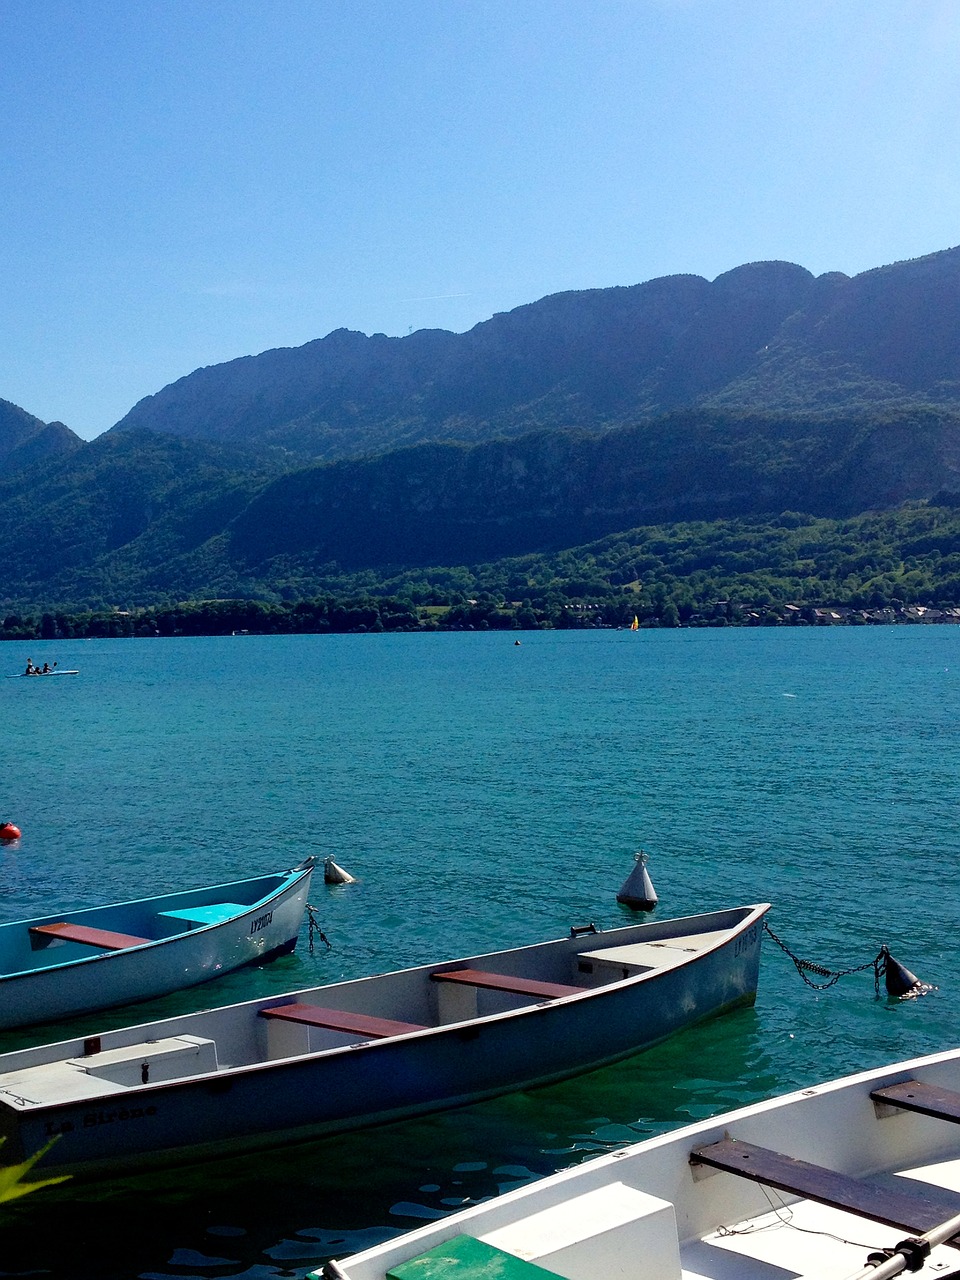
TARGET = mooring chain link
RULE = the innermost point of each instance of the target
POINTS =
(805, 967)
(314, 928)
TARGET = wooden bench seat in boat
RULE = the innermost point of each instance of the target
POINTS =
(362, 1024)
(506, 982)
(928, 1099)
(914, 1211)
(105, 939)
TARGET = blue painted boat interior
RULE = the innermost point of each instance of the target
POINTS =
(151, 918)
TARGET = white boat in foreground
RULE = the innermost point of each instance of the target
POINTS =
(372, 1050)
(807, 1185)
(74, 962)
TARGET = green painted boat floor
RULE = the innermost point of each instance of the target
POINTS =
(468, 1259)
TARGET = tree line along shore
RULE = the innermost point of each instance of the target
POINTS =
(372, 615)
(892, 567)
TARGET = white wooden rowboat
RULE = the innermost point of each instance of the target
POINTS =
(808, 1185)
(73, 962)
(372, 1050)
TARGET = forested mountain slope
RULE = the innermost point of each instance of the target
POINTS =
(88, 525)
(453, 503)
(24, 439)
(138, 516)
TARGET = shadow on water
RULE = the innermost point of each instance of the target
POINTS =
(234, 1217)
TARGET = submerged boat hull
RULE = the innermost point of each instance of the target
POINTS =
(257, 1073)
(55, 967)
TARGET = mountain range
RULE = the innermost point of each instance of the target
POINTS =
(583, 414)
(765, 336)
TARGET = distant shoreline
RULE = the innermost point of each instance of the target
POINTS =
(381, 616)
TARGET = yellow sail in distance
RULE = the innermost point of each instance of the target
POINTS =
(635, 624)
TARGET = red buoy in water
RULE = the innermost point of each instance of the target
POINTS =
(8, 831)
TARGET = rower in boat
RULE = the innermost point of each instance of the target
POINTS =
(45, 670)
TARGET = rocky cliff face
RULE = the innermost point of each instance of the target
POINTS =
(767, 335)
(451, 503)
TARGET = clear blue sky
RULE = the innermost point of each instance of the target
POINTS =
(187, 181)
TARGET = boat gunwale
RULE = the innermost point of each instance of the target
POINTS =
(281, 876)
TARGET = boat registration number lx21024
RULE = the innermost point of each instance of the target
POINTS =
(747, 940)
(261, 922)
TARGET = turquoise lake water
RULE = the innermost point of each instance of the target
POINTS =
(489, 794)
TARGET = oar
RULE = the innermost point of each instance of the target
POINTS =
(907, 1250)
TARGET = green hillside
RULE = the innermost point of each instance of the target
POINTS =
(794, 570)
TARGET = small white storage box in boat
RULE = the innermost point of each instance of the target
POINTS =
(614, 963)
(151, 1061)
(590, 1235)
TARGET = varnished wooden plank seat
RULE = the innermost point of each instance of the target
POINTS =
(928, 1099)
(105, 939)
(914, 1211)
(506, 982)
(362, 1024)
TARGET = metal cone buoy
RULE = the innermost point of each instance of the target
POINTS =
(334, 874)
(637, 890)
(898, 979)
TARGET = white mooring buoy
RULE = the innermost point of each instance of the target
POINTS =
(637, 890)
(334, 874)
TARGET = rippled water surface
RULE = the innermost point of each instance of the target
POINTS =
(489, 794)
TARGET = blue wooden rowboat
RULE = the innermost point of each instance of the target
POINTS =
(75, 962)
(372, 1050)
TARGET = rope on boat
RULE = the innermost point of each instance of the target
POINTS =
(805, 967)
(313, 923)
